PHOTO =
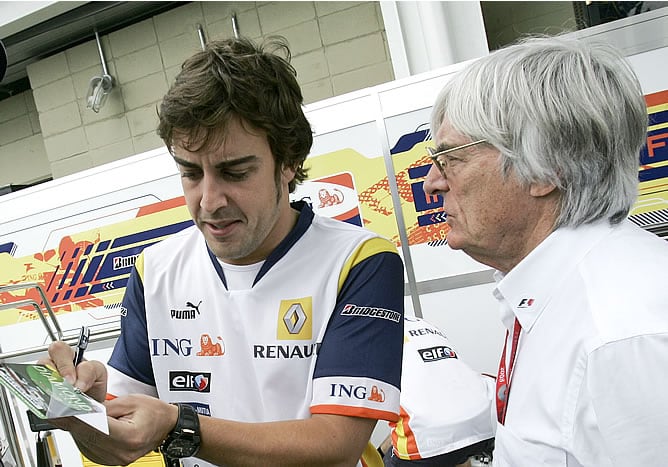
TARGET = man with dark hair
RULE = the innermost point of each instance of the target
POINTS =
(289, 356)
(537, 163)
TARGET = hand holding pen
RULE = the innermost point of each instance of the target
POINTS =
(90, 376)
(82, 344)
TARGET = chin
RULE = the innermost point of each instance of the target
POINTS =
(222, 250)
(454, 242)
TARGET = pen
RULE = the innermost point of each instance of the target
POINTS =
(82, 343)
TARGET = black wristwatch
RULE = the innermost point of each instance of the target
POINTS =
(184, 440)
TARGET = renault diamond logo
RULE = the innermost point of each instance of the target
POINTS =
(295, 318)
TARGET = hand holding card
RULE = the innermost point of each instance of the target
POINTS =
(48, 395)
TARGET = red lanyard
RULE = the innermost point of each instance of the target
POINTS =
(503, 378)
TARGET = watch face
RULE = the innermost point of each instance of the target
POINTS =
(180, 448)
(184, 440)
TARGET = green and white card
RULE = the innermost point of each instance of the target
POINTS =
(48, 395)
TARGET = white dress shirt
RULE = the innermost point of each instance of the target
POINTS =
(589, 385)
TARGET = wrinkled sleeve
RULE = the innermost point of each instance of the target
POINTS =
(628, 381)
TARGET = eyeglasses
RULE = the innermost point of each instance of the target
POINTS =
(441, 162)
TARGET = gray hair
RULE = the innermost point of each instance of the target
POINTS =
(560, 111)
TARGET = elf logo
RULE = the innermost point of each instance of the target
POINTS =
(187, 381)
(433, 354)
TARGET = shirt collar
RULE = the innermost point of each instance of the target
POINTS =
(303, 223)
(527, 289)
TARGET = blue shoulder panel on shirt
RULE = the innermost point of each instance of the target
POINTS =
(131, 354)
(365, 333)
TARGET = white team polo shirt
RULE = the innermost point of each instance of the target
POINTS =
(589, 385)
(445, 404)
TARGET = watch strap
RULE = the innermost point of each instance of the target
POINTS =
(187, 427)
(187, 418)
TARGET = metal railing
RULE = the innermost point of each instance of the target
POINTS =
(53, 329)
(54, 332)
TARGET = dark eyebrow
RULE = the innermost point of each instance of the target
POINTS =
(185, 163)
(444, 147)
(220, 166)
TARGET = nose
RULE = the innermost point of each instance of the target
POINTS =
(435, 182)
(213, 195)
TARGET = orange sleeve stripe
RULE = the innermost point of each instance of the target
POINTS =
(404, 438)
(363, 412)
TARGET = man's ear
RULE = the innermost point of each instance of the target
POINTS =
(539, 190)
(288, 173)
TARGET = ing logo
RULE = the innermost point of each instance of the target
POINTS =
(295, 319)
(377, 395)
(209, 348)
(359, 392)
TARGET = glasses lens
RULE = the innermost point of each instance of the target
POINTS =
(437, 160)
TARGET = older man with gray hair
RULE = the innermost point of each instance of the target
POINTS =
(536, 158)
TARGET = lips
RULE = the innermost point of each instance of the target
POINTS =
(220, 228)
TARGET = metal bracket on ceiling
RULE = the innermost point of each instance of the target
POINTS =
(202, 38)
(235, 25)
(99, 87)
